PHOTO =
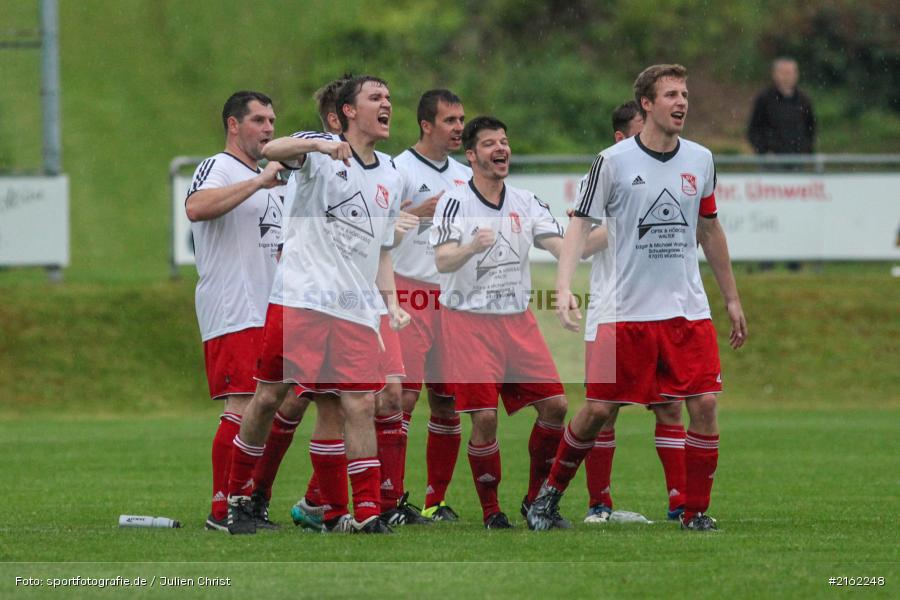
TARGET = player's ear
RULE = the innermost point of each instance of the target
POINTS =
(619, 136)
(470, 156)
(426, 127)
(349, 111)
(646, 103)
(233, 125)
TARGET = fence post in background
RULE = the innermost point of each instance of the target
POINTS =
(52, 146)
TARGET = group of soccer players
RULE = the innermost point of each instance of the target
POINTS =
(366, 277)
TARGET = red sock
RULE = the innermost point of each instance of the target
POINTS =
(365, 477)
(390, 436)
(312, 490)
(542, 447)
(670, 448)
(223, 443)
(485, 463)
(243, 459)
(407, 417)
(569, 455)
(598, 468)
(701, 455)
(330, 466)
(279, 441)
(442, 450)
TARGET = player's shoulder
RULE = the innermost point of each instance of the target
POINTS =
(696, 151)
(404, 159)
(621, 150)
(518, 195)
(457, 167)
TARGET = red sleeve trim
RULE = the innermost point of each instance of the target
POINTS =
(708, 206)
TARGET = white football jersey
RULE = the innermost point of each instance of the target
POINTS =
(651, 203)
(498, 280)
(414, 255)
(340, 219)
(235, 253)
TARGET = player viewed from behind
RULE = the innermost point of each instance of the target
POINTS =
(627, 121)
(235, 214)
(491, 342)
(335, 261)
(429, 172)
(649, 337)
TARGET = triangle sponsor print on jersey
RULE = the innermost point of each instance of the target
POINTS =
(271, 219)
(352, 212)
(664, 211)
(424, 225)
(501, 254)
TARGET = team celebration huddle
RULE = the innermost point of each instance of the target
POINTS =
(342, 276)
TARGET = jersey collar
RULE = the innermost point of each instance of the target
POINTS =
(660, 156)
(484, 201)
(374, 165)
(430, 163)
(255, 170)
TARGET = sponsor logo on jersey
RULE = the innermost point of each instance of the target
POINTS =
(382, 196)
(352, 212)
(689, 184)
(501, 254)
(271, 219)
(515, 222)
(342, 174)
(424, 188)
(424, 225)
(664, 211)
(459, 181)
(638, 181)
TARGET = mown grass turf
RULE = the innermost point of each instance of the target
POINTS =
(800, 495)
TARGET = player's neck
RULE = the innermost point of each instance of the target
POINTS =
(490, 188)
(430, 151)
(232, 148)
(362, 144)
(658, 140)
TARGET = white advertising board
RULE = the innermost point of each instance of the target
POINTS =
(34, 221)
(767, 216)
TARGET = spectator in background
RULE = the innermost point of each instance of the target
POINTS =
(782, 121)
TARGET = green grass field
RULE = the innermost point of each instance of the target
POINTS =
(102, 412)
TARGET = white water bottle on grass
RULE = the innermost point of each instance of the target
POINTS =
(142, 521)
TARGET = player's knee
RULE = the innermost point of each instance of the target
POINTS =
(600, 412)
(703, 411)
(294, 407)
(553, 410)
(269, 396)
(484, 425)
(390, 399)
(409, 399)
(359, 406)
(442, 406)
(668, 414)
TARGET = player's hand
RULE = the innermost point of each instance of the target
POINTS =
(399, 318)
(570, 212)
(738, 324)
(336, 150)
(567, 310)
(269, 176)
(484, 239)
(425, 210)
(405, 222)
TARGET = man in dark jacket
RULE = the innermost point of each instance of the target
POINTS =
(783, 121)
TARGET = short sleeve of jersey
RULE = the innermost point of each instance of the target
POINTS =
(708, 207)
(595, 191)
(210, 175)
(393, 213)
(544, 224)
(311, 157)
(447, 222)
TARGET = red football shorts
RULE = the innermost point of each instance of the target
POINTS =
(497, 355)
(230, 359)
(320, 352)
(652, 362)
(392, 357)
(420, 341)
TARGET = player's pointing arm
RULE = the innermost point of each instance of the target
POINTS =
(294, 149)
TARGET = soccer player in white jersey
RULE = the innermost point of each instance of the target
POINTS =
(335, 260)
(627, 121)
(491, 342)
(429, 172)
(235, 214)
(649, 334)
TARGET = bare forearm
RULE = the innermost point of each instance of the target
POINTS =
(289, 149)
(451, 257)
(572, 249)
(597, 240)
(384, 279)
(213, 203)
(715, 247)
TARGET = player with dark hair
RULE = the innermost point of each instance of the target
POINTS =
(335, 262)
(491, 342)
(429, 172)
(236, 220)
(649, 336)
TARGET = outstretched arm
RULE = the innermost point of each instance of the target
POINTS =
(212, 203)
